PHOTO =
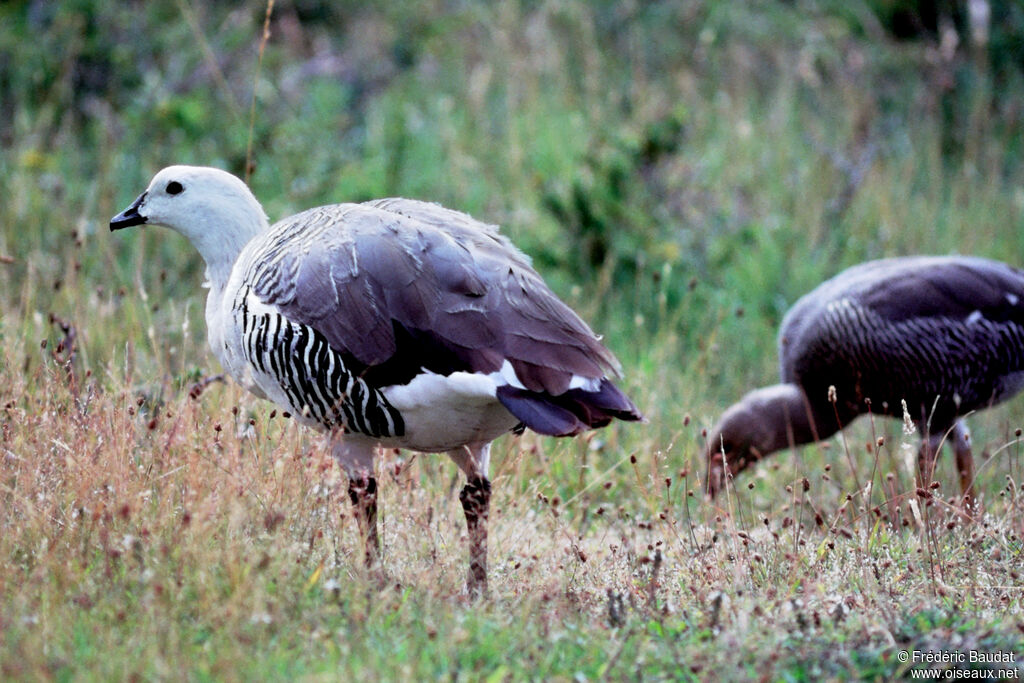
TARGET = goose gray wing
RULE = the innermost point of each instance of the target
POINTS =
(897, 290)
(399, 287)
(915, 329)
(947, 287)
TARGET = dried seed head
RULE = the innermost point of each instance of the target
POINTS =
(908, 422)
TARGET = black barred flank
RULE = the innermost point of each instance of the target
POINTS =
(314, 377)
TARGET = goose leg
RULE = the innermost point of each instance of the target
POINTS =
(473, 459)
(363, 494)
(356, 454)
(926, 457)
(476, 500)
(964, 463)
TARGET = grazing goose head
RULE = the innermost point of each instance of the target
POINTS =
(212, 208)
(762, 422)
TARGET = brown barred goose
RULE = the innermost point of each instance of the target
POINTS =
(945, 335)
(392, 323)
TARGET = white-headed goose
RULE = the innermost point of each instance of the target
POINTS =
(392, 323)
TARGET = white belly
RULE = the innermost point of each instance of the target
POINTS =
(442, 413)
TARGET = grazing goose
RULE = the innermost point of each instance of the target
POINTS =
(943, 334)
(391, 323)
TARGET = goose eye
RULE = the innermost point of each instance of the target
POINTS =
(174, 187)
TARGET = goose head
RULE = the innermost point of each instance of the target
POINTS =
(214, 209)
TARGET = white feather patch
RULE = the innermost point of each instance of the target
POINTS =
(429, 388)
(443, 412)
(507, 376)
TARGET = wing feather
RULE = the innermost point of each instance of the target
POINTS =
(400, 285)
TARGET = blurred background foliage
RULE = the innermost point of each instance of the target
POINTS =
(681, 171)
(683, 168)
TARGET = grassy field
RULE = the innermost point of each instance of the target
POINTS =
(680, 173)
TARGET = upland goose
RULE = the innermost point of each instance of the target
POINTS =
(929, 338)
(393, 323)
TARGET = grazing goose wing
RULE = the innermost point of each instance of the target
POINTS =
(948, 287)
(923, 309)
(399, 287)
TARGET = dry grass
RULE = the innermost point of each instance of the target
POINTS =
(144, 528)
(148, 535)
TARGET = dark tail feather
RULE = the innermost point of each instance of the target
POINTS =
(570, 413)
(539, 412)
(608, 400)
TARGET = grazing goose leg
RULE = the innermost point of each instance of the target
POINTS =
(473, 459)
(355, 454)
(927, 454)
(961, 437)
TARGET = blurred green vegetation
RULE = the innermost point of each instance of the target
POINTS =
(680, 172)
(675, 161)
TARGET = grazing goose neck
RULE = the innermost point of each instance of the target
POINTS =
(762, 422)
